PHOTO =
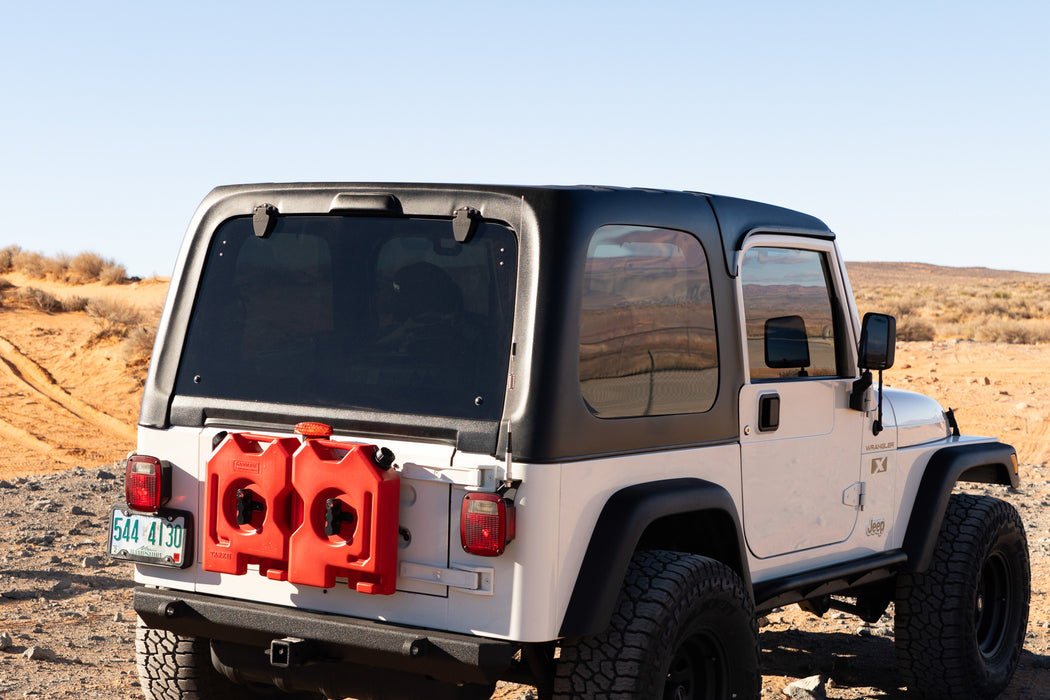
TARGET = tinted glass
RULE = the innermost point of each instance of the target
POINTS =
(390, 315)
(780, 283)
(647, 332)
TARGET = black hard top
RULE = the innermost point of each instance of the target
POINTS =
(553, 225)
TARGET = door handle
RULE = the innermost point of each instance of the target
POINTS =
(768, 412)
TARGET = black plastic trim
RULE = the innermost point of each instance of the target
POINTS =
(987, 462)
(468, 435)
(442, 655)
(617, 534)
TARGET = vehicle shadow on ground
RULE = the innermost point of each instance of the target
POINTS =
(848, 660)
(58, 585)
(851, 661)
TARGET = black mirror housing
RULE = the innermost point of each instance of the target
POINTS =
(878, 340)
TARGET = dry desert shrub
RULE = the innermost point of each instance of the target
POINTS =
(40, 299)
(136, 329)
(45, 301)
(113, 273)
(1003, 311)
(85, 267)
(914, 328)
(7, 257)
(137, 348)
(74, 303)
(91, 267)
(1005, 330)
(56, 267)
(116, 316)
(5, 284)
(30, 264)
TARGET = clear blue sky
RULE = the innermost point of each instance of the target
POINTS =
(916, 130)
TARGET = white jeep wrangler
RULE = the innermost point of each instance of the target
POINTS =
(408, 440)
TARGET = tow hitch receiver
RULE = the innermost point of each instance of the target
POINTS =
(290, 651)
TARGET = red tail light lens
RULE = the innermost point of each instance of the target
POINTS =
(146, 483)
(486, 524)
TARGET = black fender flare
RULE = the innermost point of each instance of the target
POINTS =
(616, 535)
(987, 462)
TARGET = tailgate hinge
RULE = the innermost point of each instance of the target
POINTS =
(477, 581)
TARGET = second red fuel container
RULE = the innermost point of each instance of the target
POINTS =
(350, 518)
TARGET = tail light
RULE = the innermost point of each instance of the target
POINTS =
(147, 483)
(486, 524)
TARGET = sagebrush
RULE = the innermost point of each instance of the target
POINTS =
(83, 268)
(935, 303)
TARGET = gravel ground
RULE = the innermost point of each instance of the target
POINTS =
(67, 627)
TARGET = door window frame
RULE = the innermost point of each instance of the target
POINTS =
(844, 315)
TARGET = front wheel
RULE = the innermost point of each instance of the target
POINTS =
(684, 629)
(960, 626)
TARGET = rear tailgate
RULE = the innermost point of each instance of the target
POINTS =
(279, 551)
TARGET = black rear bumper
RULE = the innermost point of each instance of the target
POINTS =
(331, 644)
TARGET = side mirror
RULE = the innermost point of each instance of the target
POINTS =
(878, 341)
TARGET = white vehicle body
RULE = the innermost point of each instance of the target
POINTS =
(806, 485)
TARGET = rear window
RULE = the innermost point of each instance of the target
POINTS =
(391, 315)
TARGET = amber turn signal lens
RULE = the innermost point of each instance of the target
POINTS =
(313, 431)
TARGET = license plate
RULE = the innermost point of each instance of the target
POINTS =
(160, 539)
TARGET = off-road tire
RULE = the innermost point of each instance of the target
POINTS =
(960, 626)
(172, 667)
(684, 627)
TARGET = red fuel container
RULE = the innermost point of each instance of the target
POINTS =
(247, 505)
(350, 517)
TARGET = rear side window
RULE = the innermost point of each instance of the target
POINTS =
(647, 327)
(389, 315)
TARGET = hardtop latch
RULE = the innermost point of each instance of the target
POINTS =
(465, 223)
(264, 219)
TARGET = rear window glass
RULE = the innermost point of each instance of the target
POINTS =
(647, 327)
(391, 315)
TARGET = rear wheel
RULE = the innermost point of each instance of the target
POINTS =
(960, 626)
(684, 629)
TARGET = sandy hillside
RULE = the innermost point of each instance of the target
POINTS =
(67, 397)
